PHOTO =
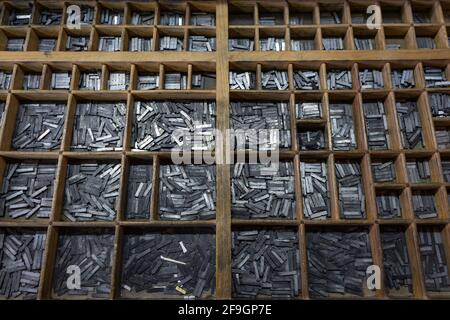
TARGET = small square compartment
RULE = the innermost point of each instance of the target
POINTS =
(442, 137)
(256, 268)
(39, 126)
(439, 104)
(92, 249)
(389, 204)
(172, 253)
(139, 190)
(424, 204)
(432, 240)
(35, 180)
(17, 16)
(5, 79)
(142, 14)
(330, 14)
(110, 14)
(24, 247)
(303, 39)
(384, 170)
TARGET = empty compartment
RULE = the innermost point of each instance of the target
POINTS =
(99, 126)
(377, 131)
(424, 204)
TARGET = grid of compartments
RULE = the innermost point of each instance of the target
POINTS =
(88, 179)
